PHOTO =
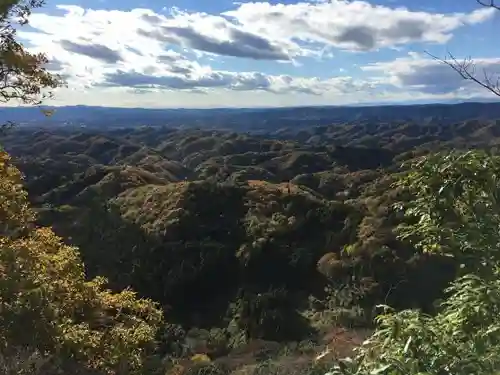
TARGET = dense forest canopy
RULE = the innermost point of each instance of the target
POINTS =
(164, 249)
(244, 237)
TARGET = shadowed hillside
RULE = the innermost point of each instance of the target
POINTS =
(261, 237)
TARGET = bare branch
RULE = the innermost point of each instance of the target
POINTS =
(489, 4)
(466, 68)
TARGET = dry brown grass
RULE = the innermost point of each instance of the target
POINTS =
(261, 357)
(340, 341)
(283, 187)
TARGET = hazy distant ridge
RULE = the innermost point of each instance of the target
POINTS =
(249, 119)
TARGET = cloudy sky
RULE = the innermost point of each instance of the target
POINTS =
(218, 53)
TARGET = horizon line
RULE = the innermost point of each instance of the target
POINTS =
(360, 105)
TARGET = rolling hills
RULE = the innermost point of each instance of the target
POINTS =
(275, 236)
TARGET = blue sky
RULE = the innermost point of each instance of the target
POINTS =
(201, 53)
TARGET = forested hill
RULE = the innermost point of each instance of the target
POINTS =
(278, 236)
(253, 119)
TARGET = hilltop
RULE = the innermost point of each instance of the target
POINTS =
(282, 237)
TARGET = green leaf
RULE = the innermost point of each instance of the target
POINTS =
(380, 370)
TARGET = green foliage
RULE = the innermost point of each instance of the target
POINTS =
(455, 211)
(266, 315)
(190, 217)
(207, 369)
(23, 75)
(15, 215)
(457, 206)
(288, 366)
(47, 305)
(237, 232)
(24, 363)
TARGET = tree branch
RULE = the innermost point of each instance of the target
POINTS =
(489, 4)
(23, 75)
(466, 68)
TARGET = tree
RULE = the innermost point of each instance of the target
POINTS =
(49, 307)
(466, 68)
(455, 211)
(23, 76)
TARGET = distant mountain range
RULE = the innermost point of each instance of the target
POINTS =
(249, 119)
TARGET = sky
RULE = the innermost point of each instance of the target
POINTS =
(221, 53)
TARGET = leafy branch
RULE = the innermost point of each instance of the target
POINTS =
(23, 75)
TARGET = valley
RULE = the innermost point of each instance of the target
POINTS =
(246, 239)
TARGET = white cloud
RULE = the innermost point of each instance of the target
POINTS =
(430, 76)
(140, 51)
(115, 49)
(205, 79)
(215, 35)
(257, 30)
(352, 25)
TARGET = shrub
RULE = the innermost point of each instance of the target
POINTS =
(48, 306)
(455, 211)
